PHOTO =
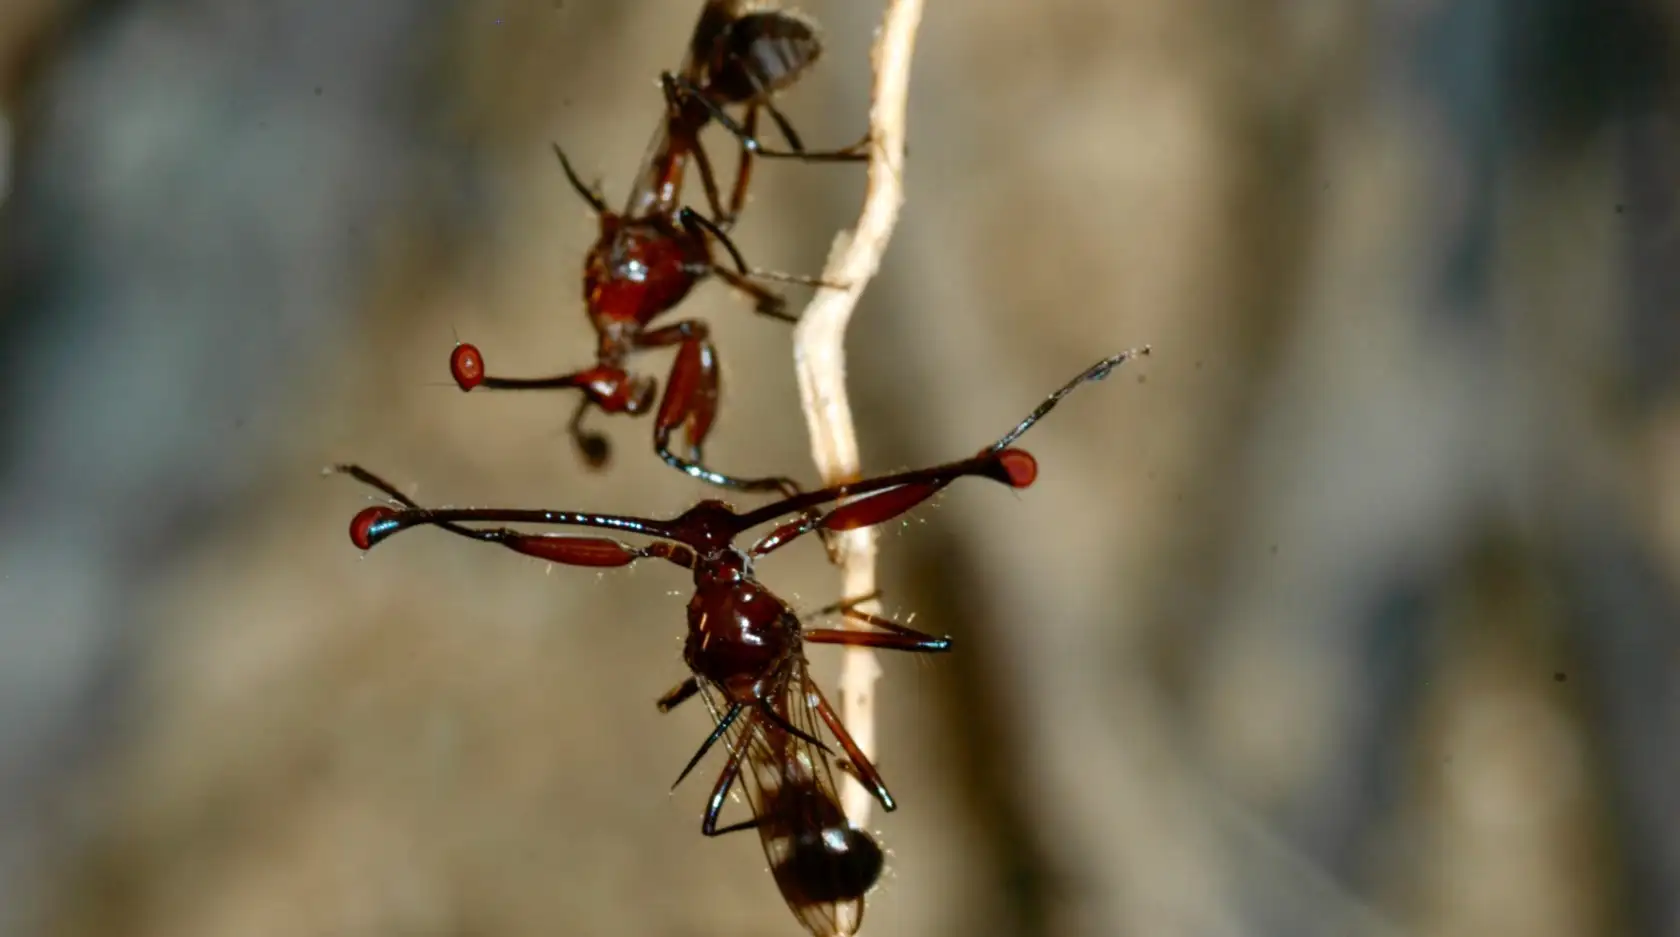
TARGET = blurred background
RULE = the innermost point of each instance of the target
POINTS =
(1355, 610)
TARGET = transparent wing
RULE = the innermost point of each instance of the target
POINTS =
(649, 188)
(822, 864)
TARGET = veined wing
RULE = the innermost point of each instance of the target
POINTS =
(822, 864)
(659, 180)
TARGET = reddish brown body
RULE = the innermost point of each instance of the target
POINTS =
(745, 646)
(637, 271)
(740, 637)
(650, 256)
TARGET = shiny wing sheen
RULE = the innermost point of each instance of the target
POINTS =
(822, 865)
(715, 16)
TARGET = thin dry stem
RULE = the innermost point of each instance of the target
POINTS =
(820, 355)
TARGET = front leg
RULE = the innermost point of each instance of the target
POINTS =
(691, 402)
(593, 446)
(610, 389)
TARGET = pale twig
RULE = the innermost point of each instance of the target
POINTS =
(820, 356)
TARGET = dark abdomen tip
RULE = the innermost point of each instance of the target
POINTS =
(830, 866)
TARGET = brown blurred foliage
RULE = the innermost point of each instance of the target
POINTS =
(1352, 610)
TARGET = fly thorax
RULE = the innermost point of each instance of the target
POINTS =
(738, 637)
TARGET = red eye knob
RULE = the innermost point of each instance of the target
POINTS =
(466, 366)
(1020, 466)
(364, 526)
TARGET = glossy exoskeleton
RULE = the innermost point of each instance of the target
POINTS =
(745, 645)
(822, 863)
(648, 257)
